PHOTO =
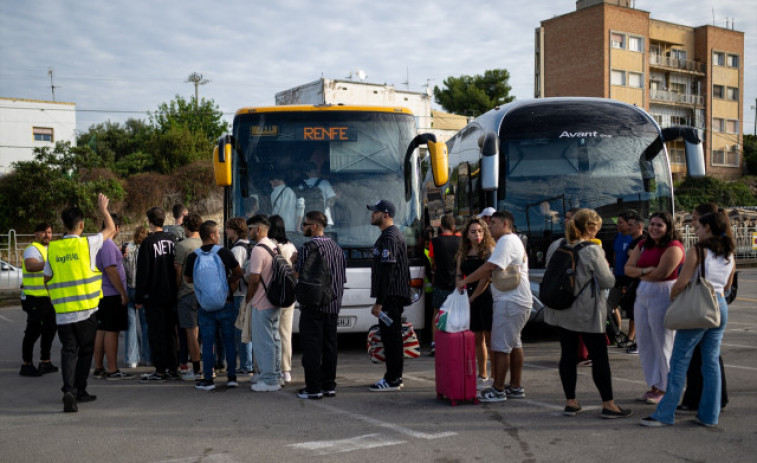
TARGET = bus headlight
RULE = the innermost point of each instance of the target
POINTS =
(416, 289)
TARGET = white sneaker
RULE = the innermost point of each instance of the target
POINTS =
(483, 383)
(286, 376)
(260, 386)
(191, 376)
(254, 378)
(132, 365)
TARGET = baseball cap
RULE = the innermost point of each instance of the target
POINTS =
(383, 206)
(488, 211)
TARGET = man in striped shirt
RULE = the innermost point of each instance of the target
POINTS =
(318, 323)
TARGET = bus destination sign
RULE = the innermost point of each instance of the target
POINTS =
(342, 132)
(264, 130)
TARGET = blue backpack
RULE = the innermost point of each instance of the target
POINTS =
(209, 275)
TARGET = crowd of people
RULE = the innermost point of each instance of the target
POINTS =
(194, 309)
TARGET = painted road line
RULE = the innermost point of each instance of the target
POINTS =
(211, 458)
(740, 346)
(329, 447)
(745, 299)
(383, 424)
(738, 367)
(7, 319)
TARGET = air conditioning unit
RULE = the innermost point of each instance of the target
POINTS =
(735, 147)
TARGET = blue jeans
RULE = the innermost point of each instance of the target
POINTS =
(209, 322)
(245, 348)
(266, 343)
(136, 345)
(685, 342)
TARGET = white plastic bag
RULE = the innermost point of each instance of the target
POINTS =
(454, 314)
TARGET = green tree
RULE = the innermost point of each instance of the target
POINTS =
(694, 191)
(38, 190)
(474, 95)
(204, 118)
(750, 153)
(177, 147)
(116, 144)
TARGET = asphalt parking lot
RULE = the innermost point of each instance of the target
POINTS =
(173, 422)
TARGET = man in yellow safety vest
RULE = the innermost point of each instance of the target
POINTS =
(75, 286)
(40, 316)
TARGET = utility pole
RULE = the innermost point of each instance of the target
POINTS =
(197, 80)
(52, 86)
(754, 106)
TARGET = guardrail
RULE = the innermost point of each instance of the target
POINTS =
(742, 234)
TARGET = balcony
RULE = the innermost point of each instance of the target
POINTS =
(666, 96)
(675, 63)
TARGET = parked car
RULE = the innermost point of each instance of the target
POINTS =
(10, 276)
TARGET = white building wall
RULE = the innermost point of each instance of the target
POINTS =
(330, 91)
(18, 120)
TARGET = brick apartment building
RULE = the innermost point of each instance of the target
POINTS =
(681, 75)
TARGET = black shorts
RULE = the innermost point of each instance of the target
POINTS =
(481, 313)
(111, 315)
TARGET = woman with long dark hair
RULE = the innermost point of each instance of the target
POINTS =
(716, 245)
(475, 249)
(277, 233)
(655, 261)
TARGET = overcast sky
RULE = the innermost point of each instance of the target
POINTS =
(117, 60)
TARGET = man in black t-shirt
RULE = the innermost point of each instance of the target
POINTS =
(390, 285)
(442, 253)
(224, 317)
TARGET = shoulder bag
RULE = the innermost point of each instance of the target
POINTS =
(697, 306)
(507, 279)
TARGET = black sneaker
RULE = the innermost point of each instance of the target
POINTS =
(69, 403)
(572, 411)
(46, 367)
(304, 394)
(231, 382)
(621, 413)
(117, 375)
(85, 397)
(329, 393)
(385, 386)
(205, 385)
(153, 377)
(29, 370)
(99, 373)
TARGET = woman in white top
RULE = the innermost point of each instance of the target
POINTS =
(716, 241)
(278, 234)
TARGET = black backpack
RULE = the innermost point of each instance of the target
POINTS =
(557, 288)
(281, 289)
(313, 196)
(314, 283)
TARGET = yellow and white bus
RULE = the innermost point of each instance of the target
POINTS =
(360, 154)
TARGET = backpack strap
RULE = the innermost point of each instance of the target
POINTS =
(278, 197)
(270, 251)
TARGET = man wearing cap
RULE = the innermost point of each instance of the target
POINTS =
(486, 214)
(390, 285)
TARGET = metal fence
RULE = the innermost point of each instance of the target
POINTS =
(744, 235)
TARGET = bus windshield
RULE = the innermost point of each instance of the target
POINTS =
(605, 162)
(289, 160)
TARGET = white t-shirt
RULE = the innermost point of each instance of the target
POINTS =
(284, 204)
(95, 244)
(717, 270)
(510, 250)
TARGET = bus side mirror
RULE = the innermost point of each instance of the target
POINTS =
(489, 149)
(222, 160)
(692, 138)
(439, 162)
(437, 154)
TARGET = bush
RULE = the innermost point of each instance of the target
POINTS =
(694, 191)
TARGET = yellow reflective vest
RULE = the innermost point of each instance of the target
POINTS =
(34, 282)
(74, 286)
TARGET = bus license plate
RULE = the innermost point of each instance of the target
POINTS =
(345, 322)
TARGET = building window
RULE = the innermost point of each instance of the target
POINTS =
(42, 134)
(726, 157)
(636, 44)
(718, 91)
(732, 126)
(678, 156)
(718, 124)
(732, 93)
(678, 54)
(718, 58)
(678, 120)
(732, 61)
(677, 87)
(635, 80)
(618, 40)
(618, 78)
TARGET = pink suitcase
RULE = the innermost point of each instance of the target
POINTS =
(455, 361)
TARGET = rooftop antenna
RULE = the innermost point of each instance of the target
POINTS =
(197, 80)
(360, 74)
(406, 83)
(52, 86)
